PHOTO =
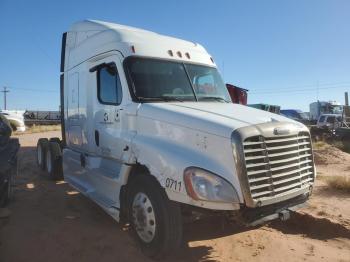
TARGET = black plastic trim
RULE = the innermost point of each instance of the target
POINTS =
(63, 130)
(63, 51)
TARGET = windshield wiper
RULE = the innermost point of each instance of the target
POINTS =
(216, 98)
(160, 98)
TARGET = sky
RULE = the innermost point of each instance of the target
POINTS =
(288, 53)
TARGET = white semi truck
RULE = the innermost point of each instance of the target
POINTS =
(322, 107)
(149, 134)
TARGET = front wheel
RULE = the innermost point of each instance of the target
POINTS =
(156, 221)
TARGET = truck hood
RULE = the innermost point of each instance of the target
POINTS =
(210, 117)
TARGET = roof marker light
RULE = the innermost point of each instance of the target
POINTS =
(133, 49)
(188, 55)
(212, 60)
(170, 53)
(179, 54)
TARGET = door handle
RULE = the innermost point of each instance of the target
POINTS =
(97, 138)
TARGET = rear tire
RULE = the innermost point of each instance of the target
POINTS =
(156, 221)
(7, 194)
(41, 149)
(6, 197)
(54, 161)
(55, 139)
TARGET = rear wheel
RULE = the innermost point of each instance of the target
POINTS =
(54, 161)
(7, 193)
(41, 149)
(55, 139)
(156, 221)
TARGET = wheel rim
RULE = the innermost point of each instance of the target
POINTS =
(144, 217)
(39, 155)
(48, 161)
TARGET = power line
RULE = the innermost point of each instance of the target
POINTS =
(35, 90)
(330, 85)
(304, 90)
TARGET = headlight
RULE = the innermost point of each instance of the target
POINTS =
(204, 185)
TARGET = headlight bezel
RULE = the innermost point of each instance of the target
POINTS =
(212, 185)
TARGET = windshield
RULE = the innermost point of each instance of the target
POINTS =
(336, 109)
(161, 80)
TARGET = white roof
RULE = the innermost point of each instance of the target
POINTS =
(99, 36)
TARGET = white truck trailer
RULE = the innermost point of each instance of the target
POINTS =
(148, 133)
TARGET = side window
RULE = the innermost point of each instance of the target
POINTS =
(109, 89)
(322, 118)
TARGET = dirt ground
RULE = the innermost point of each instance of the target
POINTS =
(50, 221)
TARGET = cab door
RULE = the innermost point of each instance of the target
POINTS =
(106, 135)
(108, 108)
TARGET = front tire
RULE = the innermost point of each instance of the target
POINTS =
(155, 220)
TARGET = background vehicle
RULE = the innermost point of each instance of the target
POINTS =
(238, 95)
(266, 107)
(8, 161)
(15, 118)
(296, 115)
(329, 121)
(150, 134)
(343, 131)
(321, 107)
(42, 117)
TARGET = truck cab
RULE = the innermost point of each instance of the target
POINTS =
(296, 115)
(329, 121)
(149, 130)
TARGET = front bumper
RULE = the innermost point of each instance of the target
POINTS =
(260, 215)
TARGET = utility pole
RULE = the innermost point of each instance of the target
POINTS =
(5, 91)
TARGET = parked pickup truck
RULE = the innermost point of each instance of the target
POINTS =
(150, 134)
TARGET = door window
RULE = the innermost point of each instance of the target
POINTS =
(109, 89)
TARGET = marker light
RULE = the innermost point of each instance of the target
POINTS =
(170, 53)
(188, 55)
(133, 49)
(179, 54)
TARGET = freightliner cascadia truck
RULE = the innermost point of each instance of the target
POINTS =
(150, 134)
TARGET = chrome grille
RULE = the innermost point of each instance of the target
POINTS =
(278, 165)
